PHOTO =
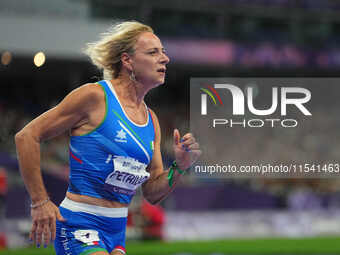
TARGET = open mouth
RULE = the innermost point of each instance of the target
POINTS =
(161, 70)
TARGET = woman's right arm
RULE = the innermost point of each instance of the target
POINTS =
(75, 110)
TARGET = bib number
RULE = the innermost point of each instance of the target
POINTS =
(127, 176)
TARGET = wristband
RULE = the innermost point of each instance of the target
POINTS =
(33, 206)
(172, 169)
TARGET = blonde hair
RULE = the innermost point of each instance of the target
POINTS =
(120, 38)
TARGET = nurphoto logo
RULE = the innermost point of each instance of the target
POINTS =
(275, 127)
(281, 99)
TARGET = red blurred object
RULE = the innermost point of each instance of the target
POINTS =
(154, 216)
(3, 182)
(148, 220)
(3, 241)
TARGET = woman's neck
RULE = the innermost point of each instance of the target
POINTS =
(132, 93)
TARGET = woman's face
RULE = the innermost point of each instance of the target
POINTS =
(149, 60)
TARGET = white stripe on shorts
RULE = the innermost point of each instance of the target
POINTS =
(94, 209)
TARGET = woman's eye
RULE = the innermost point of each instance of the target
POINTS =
(152, 52)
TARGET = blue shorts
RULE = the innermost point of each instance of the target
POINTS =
(89, 229)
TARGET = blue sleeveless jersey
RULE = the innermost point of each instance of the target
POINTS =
(110, 162)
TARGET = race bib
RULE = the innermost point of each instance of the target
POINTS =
(128, 175)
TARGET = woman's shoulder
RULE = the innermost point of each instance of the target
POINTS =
(90, 90)
(85, 97)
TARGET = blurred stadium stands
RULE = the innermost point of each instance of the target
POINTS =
(244, 38)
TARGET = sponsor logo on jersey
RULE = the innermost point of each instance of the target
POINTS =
(121, 136)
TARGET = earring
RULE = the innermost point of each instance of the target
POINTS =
(132, 76)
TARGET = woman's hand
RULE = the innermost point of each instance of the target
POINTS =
(186, 150)
(44, 223)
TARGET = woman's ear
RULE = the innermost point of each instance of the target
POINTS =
(126, 61)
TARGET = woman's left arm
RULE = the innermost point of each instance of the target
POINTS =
(162, 182)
